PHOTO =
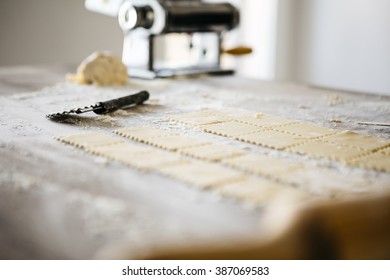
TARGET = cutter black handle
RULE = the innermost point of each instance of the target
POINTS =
(115, 104)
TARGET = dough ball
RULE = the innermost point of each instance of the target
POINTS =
(101, 69)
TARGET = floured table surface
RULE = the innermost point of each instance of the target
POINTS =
(57, 201)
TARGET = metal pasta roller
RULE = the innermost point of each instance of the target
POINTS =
(165, 38)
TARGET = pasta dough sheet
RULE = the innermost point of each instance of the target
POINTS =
(294, 136)
(272, 139)
(231, 156)
(203, 174)
(262, 191)
(262, 165)
(212, 152)
(235, 172)
(230, 129)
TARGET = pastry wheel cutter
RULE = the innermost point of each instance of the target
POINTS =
(106, 106)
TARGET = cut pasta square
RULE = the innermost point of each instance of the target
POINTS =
(176, 142)
(357, 140)
(262, 191)
(212, 152)
(308, 131)
(89, 140)
(265, 120)
(144, 133)
(327, 150)
(262, 165)
(377, 161)
(119, 151)
(198, 118)
(272, 139)
(203, 174)
(230, 129)
(154, 160)
(385, 151)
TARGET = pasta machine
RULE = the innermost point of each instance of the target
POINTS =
(165, 38)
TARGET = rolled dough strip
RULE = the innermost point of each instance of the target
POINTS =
(194, 172)
(145, 158)
(212, 152)
(89, 140)
(230, 129)
(144, 133)
(284, 134)
(272, 139)
(307, 131)
(203, 174)
(262, 165)
(327, 150)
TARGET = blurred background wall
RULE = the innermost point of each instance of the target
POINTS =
(53, 31)
(343, 44)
